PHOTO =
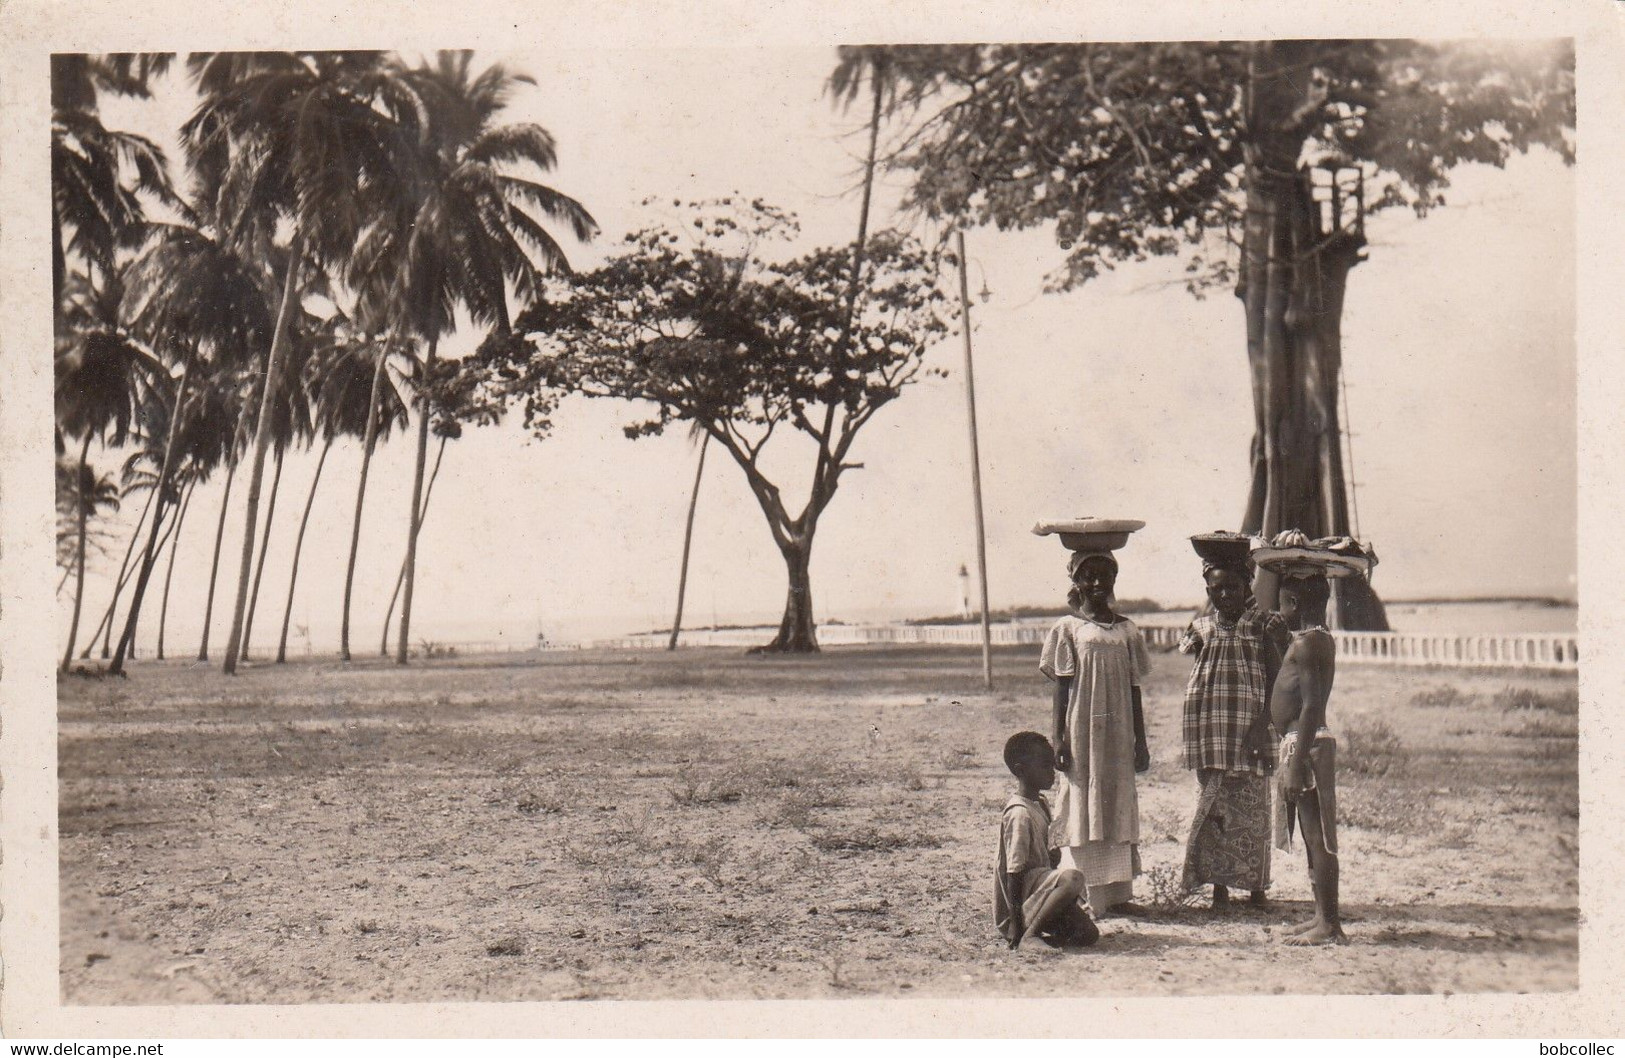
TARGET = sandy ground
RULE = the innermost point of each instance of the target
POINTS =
(599, 825)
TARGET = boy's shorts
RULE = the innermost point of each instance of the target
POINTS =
(1320, 777)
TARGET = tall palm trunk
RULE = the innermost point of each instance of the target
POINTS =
(877, 84)
(369, 440)
(79, 562)
(414, 520)
(124, 570)
(214, 564)
(265, 545)
(262, 442)
(400, 578)
(298, 545)
(174, 548)
(149, 556)
(688, 537)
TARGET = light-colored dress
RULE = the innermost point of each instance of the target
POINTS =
(1096, 820)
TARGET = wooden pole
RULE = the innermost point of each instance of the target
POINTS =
(975, 466)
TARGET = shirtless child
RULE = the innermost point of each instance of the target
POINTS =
(1305, 775)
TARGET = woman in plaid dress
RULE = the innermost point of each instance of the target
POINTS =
(1228, 741)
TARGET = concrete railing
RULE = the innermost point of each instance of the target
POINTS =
(1519, 650)
(1529, 650)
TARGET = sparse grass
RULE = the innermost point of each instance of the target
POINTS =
(1369, 746)
(1548, 726)
(513, 847)
(710, 859)
(693, 788)
(1387, 807)
(1523, 699)
(872, 839)
(1442, 696)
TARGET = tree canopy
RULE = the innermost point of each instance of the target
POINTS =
(694, 321)
(1137, 150)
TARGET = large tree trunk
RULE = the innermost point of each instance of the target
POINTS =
(370, 438)
(262, 442)
(414, 514)
(259, 568)
(79, 562)
(688, 538)
(298, 545)
(1295, 265)
(169, 574)
(214, 564)
(400, 577)
(798, 634)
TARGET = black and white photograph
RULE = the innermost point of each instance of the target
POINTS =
(873, 517)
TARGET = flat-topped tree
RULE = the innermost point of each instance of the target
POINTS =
(1258, 161)
(691, 319)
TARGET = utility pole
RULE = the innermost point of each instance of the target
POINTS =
(975, 464)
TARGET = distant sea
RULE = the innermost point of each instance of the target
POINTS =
(1500, 616)
(1496, 616)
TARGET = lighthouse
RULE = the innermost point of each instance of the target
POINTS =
(964, 592)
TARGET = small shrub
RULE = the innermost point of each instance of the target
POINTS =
(790, 813)
(691, 789)
(959, 759)
(366, 926)
(530, 803)
(913, 779)
(1370, 746)
(1443, 696)
(710, 859)
(1522, 699)
(870, 839)
(507, 946)
(1165, 888)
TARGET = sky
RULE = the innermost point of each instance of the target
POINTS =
(1126, 398)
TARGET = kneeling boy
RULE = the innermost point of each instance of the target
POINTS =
(1031, 897)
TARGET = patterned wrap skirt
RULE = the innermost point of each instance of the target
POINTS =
(1230, 837)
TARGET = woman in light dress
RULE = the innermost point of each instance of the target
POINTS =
(1097, 659)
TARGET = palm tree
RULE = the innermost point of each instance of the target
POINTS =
(99, 176)
(457, 395)
(102, 377)
(319, 140)
(85, 495)
(292, 422)
(205, 302)
(470, 234)
(338, 379)
(174, 550)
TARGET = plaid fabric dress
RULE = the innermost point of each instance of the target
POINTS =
(1227, 688)
(1230, 836)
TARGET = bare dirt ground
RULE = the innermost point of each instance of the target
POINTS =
(704, 824)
